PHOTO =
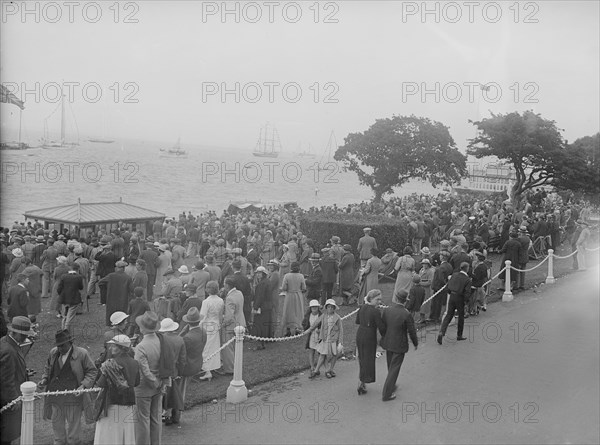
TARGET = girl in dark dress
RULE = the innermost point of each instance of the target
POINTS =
(369, 320)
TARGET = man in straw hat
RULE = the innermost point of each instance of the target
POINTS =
(148, 394)
(365, 244)
(174, 356)
(13, 373)
(68, 367)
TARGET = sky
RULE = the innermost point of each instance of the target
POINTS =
(156, 70)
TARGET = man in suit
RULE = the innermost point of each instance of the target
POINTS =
(150, 256)
(234, 316)
(48, 259)
(243, 285)
(194, 340)
(69, 291)
(398, 325)
(459, 289)
(365, 244)
(106, 265)
(13, 373)
(18, 298)
(440, 278)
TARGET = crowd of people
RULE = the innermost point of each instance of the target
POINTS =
(174, 295)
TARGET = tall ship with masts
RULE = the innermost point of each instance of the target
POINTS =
(47, 142)
(269, 144)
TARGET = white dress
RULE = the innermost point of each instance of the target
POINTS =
(212, 309)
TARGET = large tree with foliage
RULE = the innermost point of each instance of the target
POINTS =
(580, 171)
(395, 150)
(531, 144)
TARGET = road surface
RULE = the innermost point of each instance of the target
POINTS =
(528, 373)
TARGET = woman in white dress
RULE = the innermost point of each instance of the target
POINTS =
(212, 309)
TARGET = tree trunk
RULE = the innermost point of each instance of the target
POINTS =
(378, 196)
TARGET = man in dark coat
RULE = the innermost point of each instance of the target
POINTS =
(106, 265)
(150, 256)
(243, 285)
(119, 290)
(314, 280)
(18, 298)
(398, 325)
(459, 288)
(440, 278)
(69, 294)
(13, 373)
(511, 251)
(194, 340)
(329, 267)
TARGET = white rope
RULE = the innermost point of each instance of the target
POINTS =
(219, 350)
(592, 250)
(10, 404)
(533, 268)
(564, 257)
(275, 339)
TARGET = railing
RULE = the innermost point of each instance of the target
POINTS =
(237, 391)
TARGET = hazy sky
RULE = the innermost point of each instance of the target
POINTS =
(359, 62)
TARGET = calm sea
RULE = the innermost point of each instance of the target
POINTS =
(208, 179)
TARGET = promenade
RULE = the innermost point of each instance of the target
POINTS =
(528, 373)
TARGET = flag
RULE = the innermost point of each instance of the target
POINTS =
(9, 98)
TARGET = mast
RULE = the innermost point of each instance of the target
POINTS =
(62, 120)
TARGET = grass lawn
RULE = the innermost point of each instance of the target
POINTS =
(279, 359)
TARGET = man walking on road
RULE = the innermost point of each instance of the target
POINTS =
(459, 288)
(398, 326)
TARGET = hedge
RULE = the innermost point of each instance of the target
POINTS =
(389, 232)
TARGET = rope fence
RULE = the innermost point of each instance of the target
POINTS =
(237, 391)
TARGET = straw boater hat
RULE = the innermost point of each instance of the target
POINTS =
(148, 320)
(192, 316)
(120, 340)
(183, 269)
(168, 325)
(117, 317)
(21, 325)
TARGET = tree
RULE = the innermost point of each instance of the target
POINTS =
(580, 172)
(396, 149)
(531, 144)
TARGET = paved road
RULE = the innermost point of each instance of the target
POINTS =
(529, 373)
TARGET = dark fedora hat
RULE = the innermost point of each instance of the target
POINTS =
(63, 336)
(192, 316)
(148, 320)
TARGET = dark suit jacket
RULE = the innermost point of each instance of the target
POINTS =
(12, 374)
(398, 325)
(18, 299)
(194, 341)
(149, 256)
(460, 284)
(69, 288)
(511, 251)
(106, 263)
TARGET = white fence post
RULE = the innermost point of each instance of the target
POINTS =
(507, 296)
(550, 278)
(28, 412)
(237, 392)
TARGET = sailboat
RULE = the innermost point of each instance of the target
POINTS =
(305, 153)
(267, 147)
(174, 152)
(62, 143)
(327, 158)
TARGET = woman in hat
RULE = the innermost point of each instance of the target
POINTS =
(405, 267)
(293, 305)
(262, 307)
(212, 310)
(426, 278)
(346, 273)
(17, 266)
(307, 251)
(310, 319)
(119, 375)
(369, 320)
(329, 344)
(284, 262)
